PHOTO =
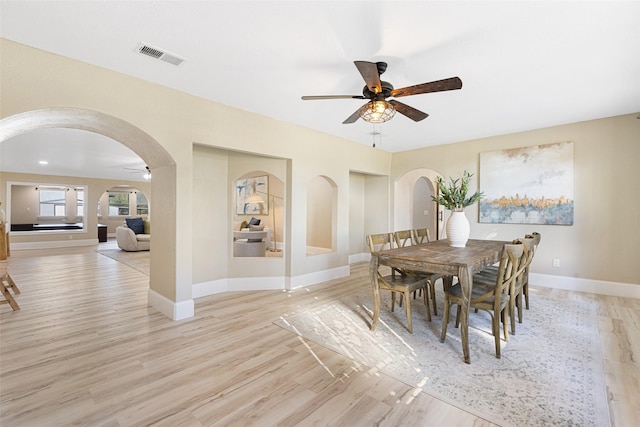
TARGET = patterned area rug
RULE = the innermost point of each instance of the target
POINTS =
(550, 373)
(137, 260)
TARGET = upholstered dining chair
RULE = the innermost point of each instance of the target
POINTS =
(406, 238)
(492, 297)
(396, 282)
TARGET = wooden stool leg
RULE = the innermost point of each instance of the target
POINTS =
(8, 298)
(11, 284)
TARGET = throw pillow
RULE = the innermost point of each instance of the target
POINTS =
(147, 226)
(254, 221)
(256, 227)
(136, 225)
(244, 225)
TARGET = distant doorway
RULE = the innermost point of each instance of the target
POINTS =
(413, 207)
(424, 208)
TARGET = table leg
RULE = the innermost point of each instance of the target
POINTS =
(373, 274)
(466, 281)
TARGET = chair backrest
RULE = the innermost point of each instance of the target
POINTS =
(420, 235)
(536, 239)
(508, 269)
(379, 242)
(524, 262)
(403, 238)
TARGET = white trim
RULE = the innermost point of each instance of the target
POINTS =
(53, 244)
(211, 287)
(361, 257)
(173, 310)
(318, 277)
(267, 283)
(255, 283)
(237, 284)
(628, 290)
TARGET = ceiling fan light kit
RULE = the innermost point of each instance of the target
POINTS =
(378, 109)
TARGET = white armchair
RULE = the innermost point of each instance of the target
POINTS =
(129, 241)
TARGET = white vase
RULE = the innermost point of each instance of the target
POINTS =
(458, 230)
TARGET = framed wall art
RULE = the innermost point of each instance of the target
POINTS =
(247, 187)
(530, 185)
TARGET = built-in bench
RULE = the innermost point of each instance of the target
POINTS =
(46, 227)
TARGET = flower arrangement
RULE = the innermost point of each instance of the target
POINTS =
(454, 196)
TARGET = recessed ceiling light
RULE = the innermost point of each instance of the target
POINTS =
(43, 162)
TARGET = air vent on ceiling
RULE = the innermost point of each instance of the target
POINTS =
(162, 55)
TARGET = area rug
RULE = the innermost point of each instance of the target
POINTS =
(550, 372)
(139, 261)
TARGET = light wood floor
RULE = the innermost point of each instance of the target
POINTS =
(85, 349)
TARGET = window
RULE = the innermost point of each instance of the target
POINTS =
(52, 202)
(80, 201)
(118, 203)
(142, 205)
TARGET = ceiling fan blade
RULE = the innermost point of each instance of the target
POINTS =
(412, 113)
(451, 83)
(315, 97)
(369, 72)
(352, 118)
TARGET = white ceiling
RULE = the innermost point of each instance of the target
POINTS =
(524, 65)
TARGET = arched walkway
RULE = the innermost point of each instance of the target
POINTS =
(162, 280)
(403, 198)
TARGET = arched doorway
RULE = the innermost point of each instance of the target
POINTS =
(424, 209)
(162, 281)
(412, 197)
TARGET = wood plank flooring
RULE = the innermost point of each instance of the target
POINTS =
(86, 350)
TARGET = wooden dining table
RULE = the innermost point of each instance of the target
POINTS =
(439, 257)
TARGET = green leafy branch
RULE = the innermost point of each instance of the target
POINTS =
(454, 195)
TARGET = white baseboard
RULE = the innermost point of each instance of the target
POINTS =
(266, 283)
(318, 277)
(629, 290)
(23, 246)
(173, 310)
(209, 288)
(256, 283)
(361, 257)
(237, 284)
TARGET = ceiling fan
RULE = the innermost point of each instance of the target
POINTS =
(378, 109)
(146, 172)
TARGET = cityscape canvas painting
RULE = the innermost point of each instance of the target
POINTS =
(530, 185)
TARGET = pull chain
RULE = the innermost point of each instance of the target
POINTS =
(375, 133)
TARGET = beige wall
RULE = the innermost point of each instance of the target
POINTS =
(604, 240)
(356, 214)
(320, 210)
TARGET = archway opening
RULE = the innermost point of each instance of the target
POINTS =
(163, 271)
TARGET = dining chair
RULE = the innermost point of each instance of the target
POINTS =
(397, 281)
(488, 276)
(420, 236)
(6, 286)
(525, 286)
(525, 281)
(518, 288)
(490, 297)
(405, 238)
